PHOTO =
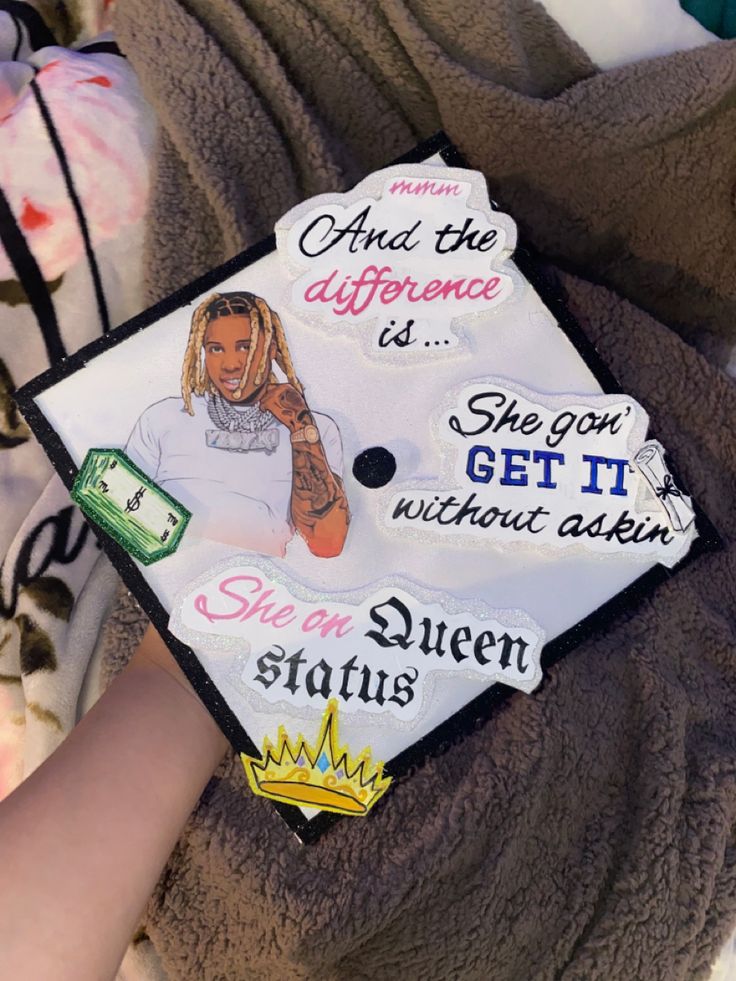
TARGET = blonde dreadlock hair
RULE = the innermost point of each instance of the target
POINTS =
(194, 379)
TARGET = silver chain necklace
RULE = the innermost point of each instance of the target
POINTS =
(249, 419)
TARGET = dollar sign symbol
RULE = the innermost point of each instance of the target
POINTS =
(134, 502)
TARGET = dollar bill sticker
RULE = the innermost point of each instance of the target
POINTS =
(142, 518)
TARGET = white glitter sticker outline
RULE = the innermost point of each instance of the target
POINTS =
(239, 653)
(372, 188)
(445, 482)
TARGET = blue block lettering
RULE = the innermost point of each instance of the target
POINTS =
(480, 471)
(514, 474)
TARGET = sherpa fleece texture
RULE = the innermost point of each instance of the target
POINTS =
(586, 832)
(627, 176)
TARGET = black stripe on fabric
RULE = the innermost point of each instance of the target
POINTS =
(18, 37)
(77, 205)
(39, 35)
(30, 277)
(101, 47)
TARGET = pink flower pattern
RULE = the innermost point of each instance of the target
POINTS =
(106, 130)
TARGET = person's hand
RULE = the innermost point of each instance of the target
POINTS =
(287, 405)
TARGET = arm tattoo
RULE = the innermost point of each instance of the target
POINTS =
(319, 507)
(315, 486)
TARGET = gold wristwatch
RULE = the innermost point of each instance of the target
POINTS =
(309, 434)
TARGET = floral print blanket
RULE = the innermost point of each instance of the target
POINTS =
(75, 145)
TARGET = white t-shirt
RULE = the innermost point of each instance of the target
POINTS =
(241, 498)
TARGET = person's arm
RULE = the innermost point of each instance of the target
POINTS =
(319, 506)
(84, 839)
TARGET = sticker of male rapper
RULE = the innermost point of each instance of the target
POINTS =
(240, 449)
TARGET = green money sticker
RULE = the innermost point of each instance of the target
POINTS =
(129, 506)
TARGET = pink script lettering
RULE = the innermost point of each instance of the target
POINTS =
(259, 605)
(435, 188)
(260, 609)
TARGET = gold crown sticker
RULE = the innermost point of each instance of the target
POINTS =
(321, 775)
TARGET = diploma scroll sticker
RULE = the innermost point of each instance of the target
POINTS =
(650, 461)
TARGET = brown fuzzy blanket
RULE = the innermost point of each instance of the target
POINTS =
(627, 176)
(585, 832)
